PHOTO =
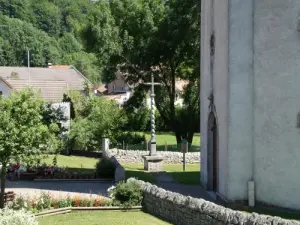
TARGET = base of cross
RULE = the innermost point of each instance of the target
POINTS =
(153, 163)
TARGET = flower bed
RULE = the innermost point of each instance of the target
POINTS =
(45, 201)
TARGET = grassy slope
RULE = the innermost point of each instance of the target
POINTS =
(74, 163)
(101, 218)
(191, 176)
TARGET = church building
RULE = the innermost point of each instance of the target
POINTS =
(250, 100)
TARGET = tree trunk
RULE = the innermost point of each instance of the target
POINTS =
(3, 180)
(190, 136)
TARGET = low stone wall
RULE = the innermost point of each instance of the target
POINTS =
(119, 169)
(179, 209)
(131, 156)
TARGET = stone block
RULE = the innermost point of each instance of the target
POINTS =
(153, 163)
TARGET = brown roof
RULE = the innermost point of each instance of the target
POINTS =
(51, 91)
(52, 82)
(102, 88)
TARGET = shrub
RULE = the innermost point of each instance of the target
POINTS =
(128, 137)
(65, 202)
(105, 168)
(126, 194)
(20, 217)
(19, 203)
(44, 201)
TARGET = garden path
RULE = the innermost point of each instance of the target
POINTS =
(166, 182)
(58, 188)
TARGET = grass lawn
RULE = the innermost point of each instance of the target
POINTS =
(74, 163)
(137, 171)
(101, 218)
(190, 176)
(166, 138)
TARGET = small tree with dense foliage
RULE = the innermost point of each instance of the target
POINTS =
(97, 119)
(23, 134)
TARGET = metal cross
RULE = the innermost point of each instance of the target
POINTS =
(152, 117)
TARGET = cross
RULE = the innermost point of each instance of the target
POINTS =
(152, 117)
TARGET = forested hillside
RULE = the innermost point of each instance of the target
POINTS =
(55, 31)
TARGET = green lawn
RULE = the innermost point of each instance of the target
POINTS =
(101, 218)
(74, 163)
(164, 139)
(190, 176)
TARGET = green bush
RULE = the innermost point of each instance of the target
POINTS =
(128, 138)
(105, 168)
(126, 194)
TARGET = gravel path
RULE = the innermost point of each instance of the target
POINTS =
(58, 188)
(166, 182)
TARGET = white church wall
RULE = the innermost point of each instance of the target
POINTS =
(220, 87)
(277, 102)
(204, 86)
(240, 144)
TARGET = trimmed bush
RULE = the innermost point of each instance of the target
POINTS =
(105, 168)
(126, 194)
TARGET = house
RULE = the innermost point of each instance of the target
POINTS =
(52, 81)
(250, 101)
(117, 90)
(120, 91)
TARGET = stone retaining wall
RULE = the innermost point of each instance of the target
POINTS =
(131, 156)
(179, 209)
(119, 169)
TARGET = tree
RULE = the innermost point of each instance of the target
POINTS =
(22, 36)
(101, 119)
(23, 135)
(160, 38)
(47, 16)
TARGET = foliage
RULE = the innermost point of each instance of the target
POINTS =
(126, 194)
(159, 38)
(9, 216)
(23, 135)
(128, 137)
(51, 29)
(105, 168)
(98, 118)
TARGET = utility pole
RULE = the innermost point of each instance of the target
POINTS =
(28, 64)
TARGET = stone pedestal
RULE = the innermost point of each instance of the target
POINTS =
(153, 163)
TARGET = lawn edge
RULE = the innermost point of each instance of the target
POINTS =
(70, 209)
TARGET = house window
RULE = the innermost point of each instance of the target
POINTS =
(114, 87)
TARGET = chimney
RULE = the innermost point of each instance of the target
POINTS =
(49, 65)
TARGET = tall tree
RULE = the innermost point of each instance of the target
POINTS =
(23, 134)
(159, 38)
